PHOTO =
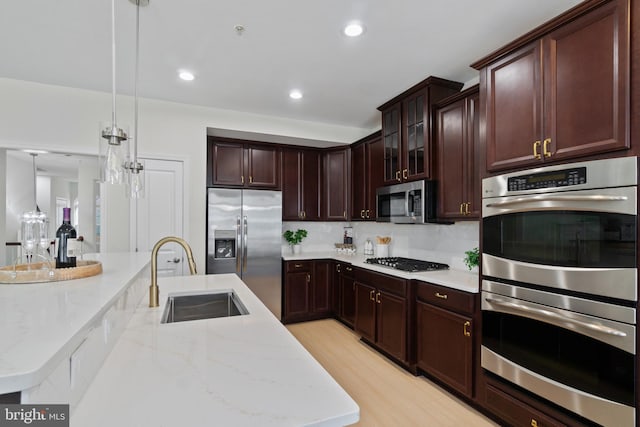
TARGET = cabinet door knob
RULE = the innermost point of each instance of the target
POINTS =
(373, 291)
(338, 268)
(308, 278)
(465, 329)
(466, 208)
(398, 176)
(405, 173)
(534, 423)
(362, 214)
(545, 147)
(367, 215)
(250, 179)
(441, 296)
(536, 155)
(242, 179)
(378, 298)
(461, 208)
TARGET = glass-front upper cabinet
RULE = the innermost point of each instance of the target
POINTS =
(406, 129)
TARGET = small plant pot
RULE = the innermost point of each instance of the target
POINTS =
(296, 249)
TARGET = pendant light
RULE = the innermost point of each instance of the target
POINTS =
(134, 169)
(113, 155)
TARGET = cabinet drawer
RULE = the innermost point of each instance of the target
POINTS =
(516, 412)
(444, 297)
(394, 285)
(292, 266)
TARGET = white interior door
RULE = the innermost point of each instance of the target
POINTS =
(160, 214)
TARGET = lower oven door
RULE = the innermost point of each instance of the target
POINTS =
(561, 348)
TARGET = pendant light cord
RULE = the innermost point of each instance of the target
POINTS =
(113, 63)
(135, 114)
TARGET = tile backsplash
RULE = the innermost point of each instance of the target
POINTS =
(433, 242)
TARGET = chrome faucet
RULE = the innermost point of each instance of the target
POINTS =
(153, 289)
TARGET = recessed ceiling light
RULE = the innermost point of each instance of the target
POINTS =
(295, 94)
(354, 29)
(30, 151)
(186, 75)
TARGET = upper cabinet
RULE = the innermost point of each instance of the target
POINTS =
(242, 164)
(336, 184)
(457, 127)
(559, 92)
(406, 130)
(366, 164)
(301, 184)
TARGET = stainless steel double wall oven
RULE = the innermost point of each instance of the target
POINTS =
(559, 285)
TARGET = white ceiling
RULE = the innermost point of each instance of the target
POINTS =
(287, 44)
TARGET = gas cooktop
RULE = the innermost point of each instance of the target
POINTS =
(407, 264)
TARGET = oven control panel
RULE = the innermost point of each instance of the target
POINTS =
(550, 179)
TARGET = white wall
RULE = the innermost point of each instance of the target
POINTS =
(87, 175)
(433, 242)
(64, 119)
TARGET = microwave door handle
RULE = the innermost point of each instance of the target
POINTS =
(557, 198)
(552, 317)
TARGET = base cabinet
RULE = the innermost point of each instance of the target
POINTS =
(444, 346)
(381, 315)
(444, 335)
(347, 294)
(307, 290)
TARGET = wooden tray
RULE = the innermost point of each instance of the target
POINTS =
(39, 272)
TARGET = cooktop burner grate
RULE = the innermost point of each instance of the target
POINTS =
(408, 264)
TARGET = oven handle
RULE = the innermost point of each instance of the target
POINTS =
(558, 198)
(544, 315)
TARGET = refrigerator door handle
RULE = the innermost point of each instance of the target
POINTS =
(238, 245)
(244, 244)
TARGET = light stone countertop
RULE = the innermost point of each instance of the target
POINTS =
(232, 371)
(42, 323)
(456, 279)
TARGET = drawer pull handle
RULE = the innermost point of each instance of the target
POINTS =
(466, 331)
(534, 423)
(349, 268)
(378, 298)
(338, 268)
(441, 296)
(297, 265)
(308, 278)
(536, 155)
(371, 295)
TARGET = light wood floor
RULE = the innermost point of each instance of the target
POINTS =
(387, 394)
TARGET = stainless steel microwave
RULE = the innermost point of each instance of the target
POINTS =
(406, 203)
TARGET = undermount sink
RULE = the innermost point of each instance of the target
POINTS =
(185, 307)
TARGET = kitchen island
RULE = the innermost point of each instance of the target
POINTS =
(245, 370)
(45, 327)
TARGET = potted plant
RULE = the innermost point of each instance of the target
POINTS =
(294, 238)
(472, 258)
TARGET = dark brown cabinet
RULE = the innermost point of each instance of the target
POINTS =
(444, 335)
(406, 130)
(564, 95)
(240, 164)
(336, 185)
(346, 294)
(307, 290)
(366, 176)
(381, 315)
(301, 184)
(457, 128)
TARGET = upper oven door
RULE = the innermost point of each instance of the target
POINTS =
(584, 241)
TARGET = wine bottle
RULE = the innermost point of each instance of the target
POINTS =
(66, 242)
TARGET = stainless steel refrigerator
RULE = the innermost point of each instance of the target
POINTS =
(244, 233)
